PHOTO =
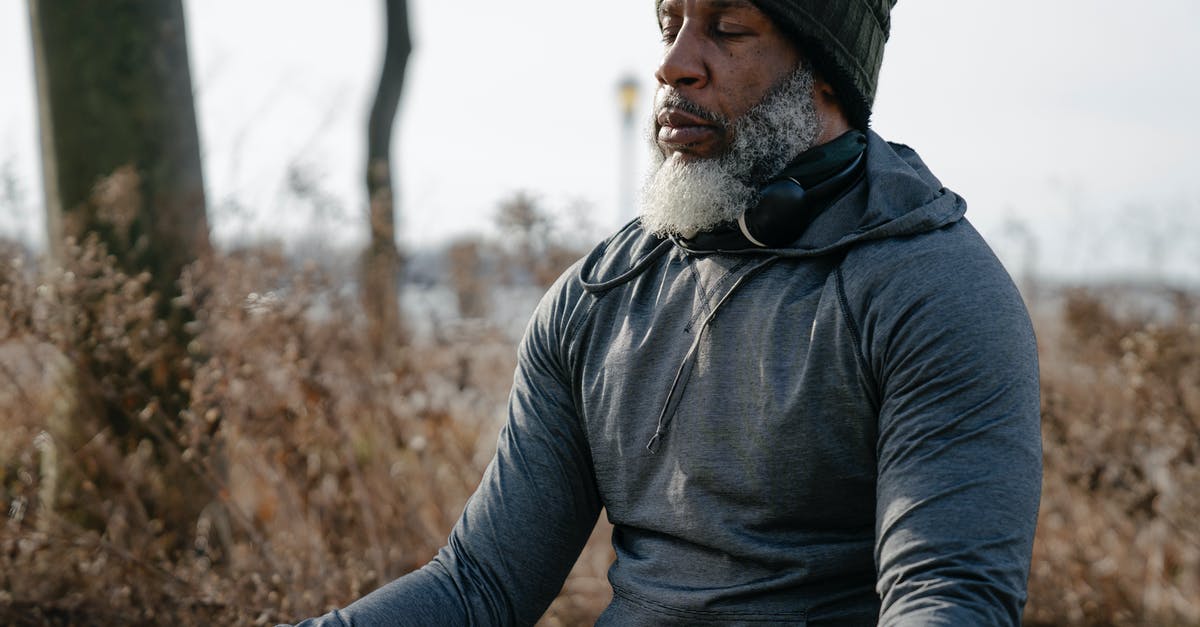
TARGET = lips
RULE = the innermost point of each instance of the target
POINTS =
(679, 129)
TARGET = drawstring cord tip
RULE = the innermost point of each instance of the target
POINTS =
(652, 445)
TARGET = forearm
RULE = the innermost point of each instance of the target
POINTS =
(423, 597)
(521, 530)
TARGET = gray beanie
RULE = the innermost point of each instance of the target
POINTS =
(843, 39)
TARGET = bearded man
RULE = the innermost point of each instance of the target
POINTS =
(801, 385)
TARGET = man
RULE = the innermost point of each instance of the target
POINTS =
(801, 385)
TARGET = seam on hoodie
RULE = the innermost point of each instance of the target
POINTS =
(679, 612)
(571, 333)
(844, 303)
(706, 295)
(574, 375)
(704, 308)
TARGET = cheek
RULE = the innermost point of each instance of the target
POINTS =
(741, 97)
(750, 74)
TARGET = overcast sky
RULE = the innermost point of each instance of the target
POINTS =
(1074, 121)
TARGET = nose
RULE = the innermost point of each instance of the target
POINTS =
(683, 62)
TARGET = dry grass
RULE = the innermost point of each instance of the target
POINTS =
(320, 473)
(1119, 531)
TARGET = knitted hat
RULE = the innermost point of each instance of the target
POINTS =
(844, 41)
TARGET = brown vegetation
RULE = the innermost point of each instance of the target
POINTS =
(1118, 539)
(324, 473)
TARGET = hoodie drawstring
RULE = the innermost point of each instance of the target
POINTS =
(625, 277)
(684, 373)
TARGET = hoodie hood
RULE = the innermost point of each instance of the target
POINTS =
(897, 196)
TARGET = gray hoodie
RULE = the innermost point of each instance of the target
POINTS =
(842, 432)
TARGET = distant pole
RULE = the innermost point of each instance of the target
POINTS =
(627, 93)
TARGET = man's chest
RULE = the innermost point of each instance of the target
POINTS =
(726, 380)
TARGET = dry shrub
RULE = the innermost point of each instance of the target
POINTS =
(319, 471)
(1118, 538)
(537, 248)
(94, 507)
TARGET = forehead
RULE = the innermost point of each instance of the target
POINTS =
(678, 7)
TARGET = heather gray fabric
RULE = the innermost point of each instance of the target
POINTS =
(852, 433)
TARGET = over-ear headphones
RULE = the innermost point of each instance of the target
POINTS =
(790, 202)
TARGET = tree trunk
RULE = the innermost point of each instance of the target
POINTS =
(121, 161)
(381, 261)
(115, 90)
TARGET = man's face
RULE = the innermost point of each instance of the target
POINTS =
(721, 58)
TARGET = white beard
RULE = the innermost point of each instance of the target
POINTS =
(685, 197)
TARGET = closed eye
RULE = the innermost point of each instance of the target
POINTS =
(728, 31)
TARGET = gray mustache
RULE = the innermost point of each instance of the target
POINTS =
(673, 99)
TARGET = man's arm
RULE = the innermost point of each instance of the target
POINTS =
(524, 527)
(959, 450)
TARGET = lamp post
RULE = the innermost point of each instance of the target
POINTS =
(627, 94)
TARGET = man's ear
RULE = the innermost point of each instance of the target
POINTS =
(824, 91)
(834, 120)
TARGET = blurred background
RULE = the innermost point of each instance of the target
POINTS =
(327, 438)
(1070, 126)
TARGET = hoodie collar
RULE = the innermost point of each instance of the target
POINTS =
(897, 196)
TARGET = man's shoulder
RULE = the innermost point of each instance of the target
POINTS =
(955, 254)
(931, 281)
(951, 268)
(619, 257)
(612, 262)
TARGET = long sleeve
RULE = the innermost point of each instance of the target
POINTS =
(525, 525)
(959, 448)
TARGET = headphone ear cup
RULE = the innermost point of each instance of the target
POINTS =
(780, 216)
